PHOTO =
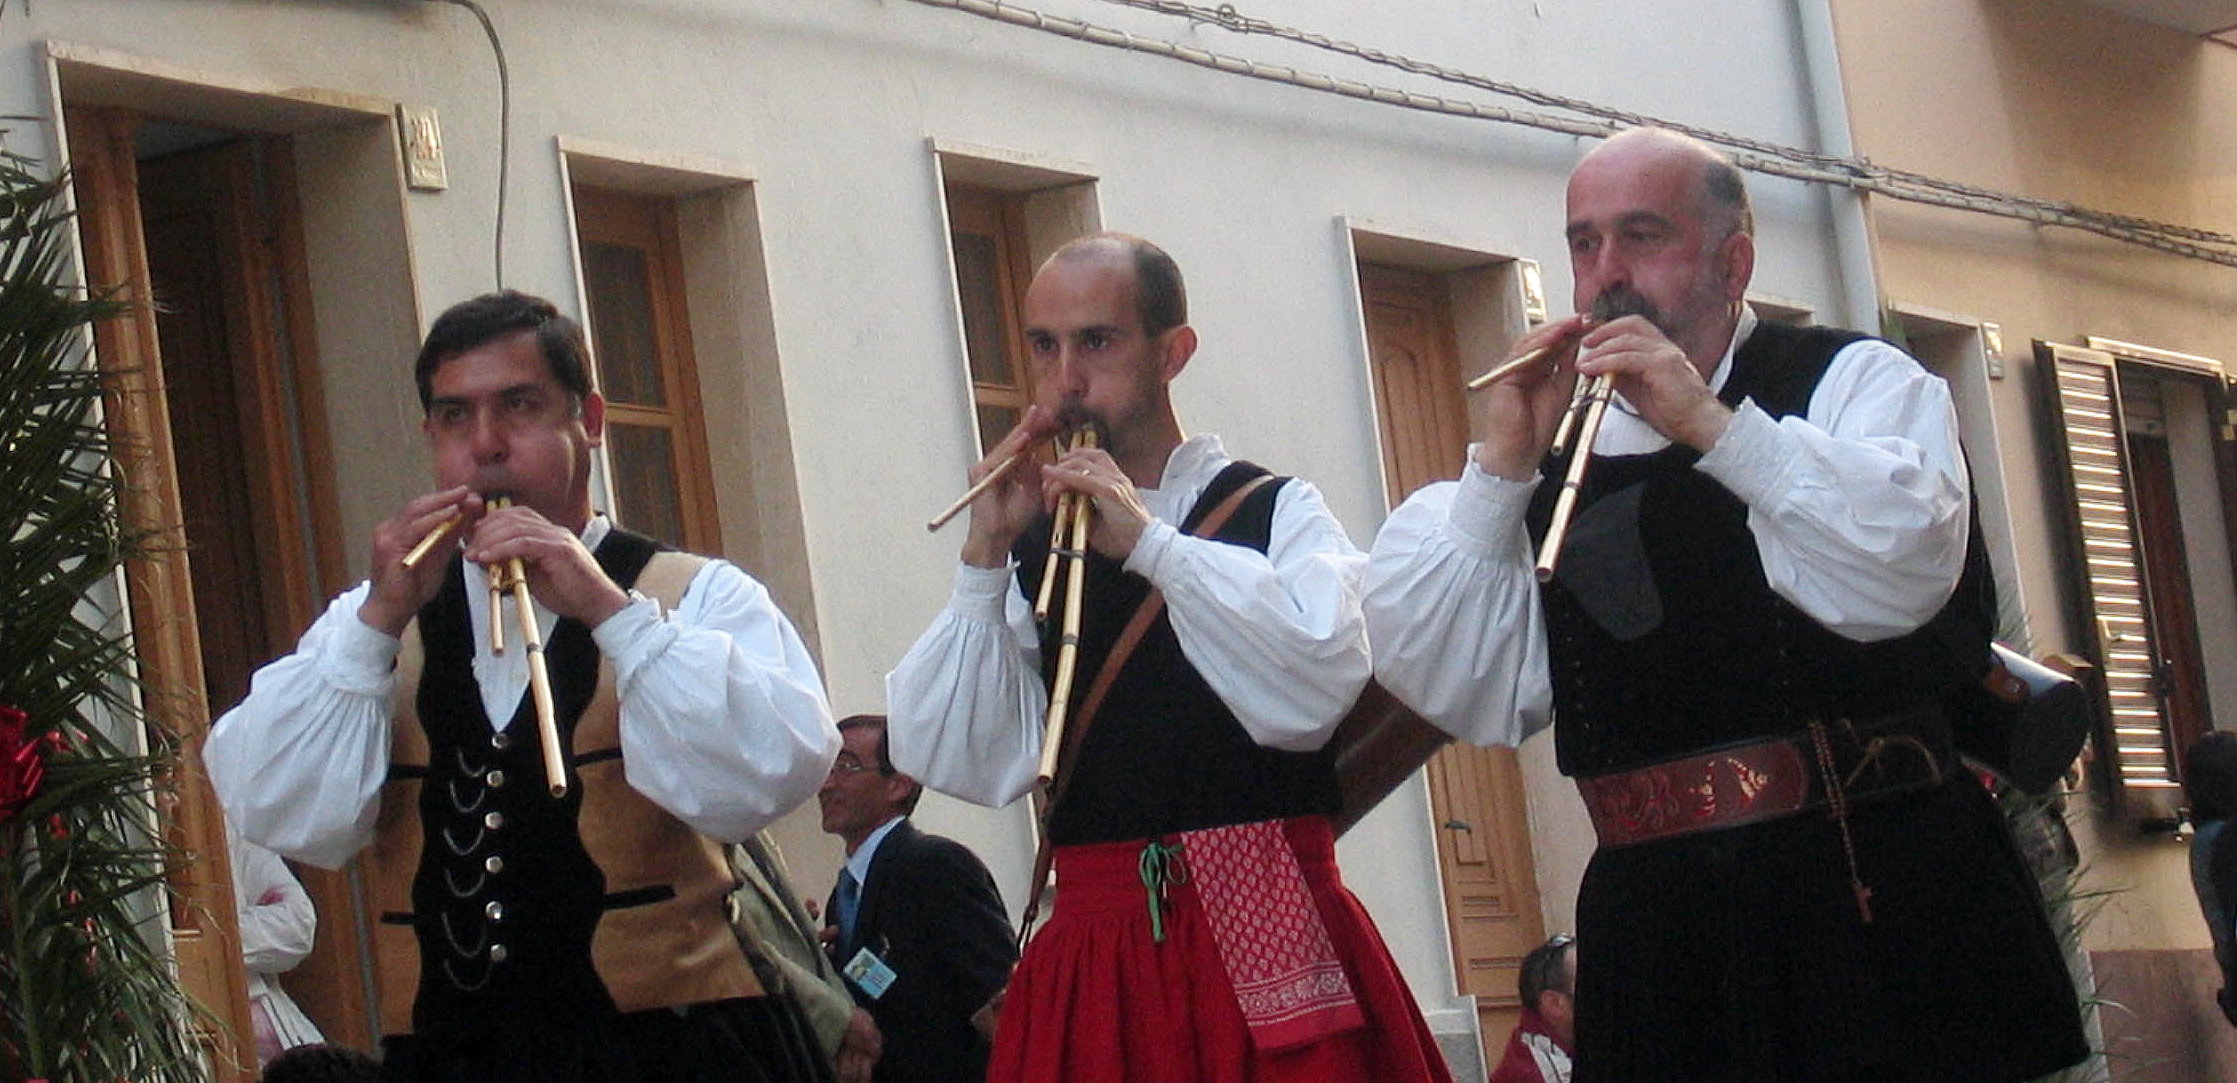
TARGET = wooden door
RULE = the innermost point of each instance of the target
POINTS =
(229, 447)
(1476, 794)
(202, 920)
(2181, 663)
(247, 434)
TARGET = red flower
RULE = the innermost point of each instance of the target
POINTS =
(21, 767)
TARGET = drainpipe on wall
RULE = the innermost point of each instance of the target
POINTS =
(1855, 260)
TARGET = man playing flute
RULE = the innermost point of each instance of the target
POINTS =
(1765, 595)
(522, 935)
(1201, 932)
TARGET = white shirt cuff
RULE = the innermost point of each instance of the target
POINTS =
(361, 658)
(981, 592)
(1151, 549)
(1751, 458)
(632, 635)
(1486, 517)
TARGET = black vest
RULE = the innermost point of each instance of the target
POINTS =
(502, 868)
(1665, 638)
(1164, 754)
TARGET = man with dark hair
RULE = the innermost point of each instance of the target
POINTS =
(2210, 781)
(321, 1063)
(523, 936)
(1201, 930)
(1540, 1048)
(915, 922)
(497, 315)
(1765, 595)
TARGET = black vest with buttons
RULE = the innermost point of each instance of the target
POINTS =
(1666, 640)
(499, 936)
(1164, 754)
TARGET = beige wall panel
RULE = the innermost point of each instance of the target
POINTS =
(2065, 101)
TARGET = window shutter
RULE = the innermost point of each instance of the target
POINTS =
(2084, 399)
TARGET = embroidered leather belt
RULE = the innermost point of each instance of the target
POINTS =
(1765, 780)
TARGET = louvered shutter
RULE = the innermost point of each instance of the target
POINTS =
(2084, 398)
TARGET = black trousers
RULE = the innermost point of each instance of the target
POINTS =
(1741, 955)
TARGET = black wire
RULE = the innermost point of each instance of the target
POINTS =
(504, 129)
(1755, 155)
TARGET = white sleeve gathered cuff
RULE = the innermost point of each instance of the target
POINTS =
(1452, 610)
(965, 705)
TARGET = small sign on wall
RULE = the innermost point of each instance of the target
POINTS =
(423, 148)
(1533, 292)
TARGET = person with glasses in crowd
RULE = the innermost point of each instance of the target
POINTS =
(914, 923)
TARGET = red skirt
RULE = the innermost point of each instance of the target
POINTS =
(1097, 998)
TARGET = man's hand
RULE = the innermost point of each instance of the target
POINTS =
(399, 592)
(1521, 412)
(1003, 512)
(859, 1049)
(561, 572)
(1657, 378)
(1120, 516)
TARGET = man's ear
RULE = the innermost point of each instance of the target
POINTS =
(594, 418)
(898, 789)
(1736, 264)
(1180, 345)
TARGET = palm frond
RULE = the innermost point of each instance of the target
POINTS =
(87, 989)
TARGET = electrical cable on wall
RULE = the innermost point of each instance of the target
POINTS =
(1758, 156)
(504, 129)
(1226, 17)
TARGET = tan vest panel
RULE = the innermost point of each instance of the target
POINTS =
(670, 953)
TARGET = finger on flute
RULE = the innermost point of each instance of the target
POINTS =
(433, 538)
(1509, 368)
(1000, 471)
(1533, 357)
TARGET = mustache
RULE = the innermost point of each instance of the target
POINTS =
(1076, 417)
(1616, 302)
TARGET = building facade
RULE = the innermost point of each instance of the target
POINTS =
(798, 232)
(2101, 371)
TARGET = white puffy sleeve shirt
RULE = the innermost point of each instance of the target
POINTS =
(1278, 635)
(723, 718)
(1858, 508)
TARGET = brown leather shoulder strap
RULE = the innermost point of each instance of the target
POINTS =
(1137, 627)
(1044, 855)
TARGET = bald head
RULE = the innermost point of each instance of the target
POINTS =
(1720, 191)
(1659, 226)
(1159, 294)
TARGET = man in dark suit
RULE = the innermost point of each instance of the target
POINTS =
(915, 922)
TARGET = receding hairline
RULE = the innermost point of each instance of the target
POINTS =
(1718, 183)
(1160, 290)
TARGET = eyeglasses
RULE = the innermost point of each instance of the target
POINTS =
(845, 766)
